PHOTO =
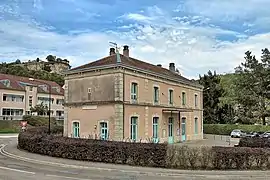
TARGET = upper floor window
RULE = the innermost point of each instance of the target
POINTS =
(30, 88)
(156, 94)
(13, 98)
(196, 100)
(170, 96)
(30, 101)
(184, 98)
(134, 91)
(59, 101)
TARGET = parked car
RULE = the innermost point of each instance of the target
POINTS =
(237, 133)
(266, 135)
(253, 134)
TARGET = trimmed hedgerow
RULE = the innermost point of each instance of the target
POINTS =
(254, 142)
(36, 140)
(142, 154)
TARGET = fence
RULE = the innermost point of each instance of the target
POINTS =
(19, 118)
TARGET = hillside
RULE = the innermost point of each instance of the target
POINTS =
(11, 68)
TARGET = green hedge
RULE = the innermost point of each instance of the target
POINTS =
(38, 120)
(226, 129)
(36, 140)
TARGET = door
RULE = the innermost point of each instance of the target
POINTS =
(170, 131)
(103, 130)
(76, 129)
(155, 129)
(183, 124)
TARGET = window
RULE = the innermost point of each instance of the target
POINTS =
(196, 100)
(156, 94)
(155, 128)
(183, 98)
(170, 96)
(30, 101)
(76, 129)
(134, 91)
(4, 97)
(59, 101)
(30, 88)
(133, 128)
(12, 112)
(196, 125)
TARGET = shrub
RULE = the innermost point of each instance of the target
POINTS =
(255, 142)
(38, 120)
(226, 129)
(144, 154)
(36, 140)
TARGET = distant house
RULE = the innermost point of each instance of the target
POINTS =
(119, 97)
(19, 94)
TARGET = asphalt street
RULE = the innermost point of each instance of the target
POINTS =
(15, 164)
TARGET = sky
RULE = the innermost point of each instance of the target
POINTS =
(196, 35)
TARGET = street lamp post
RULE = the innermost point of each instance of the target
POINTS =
(50, 94)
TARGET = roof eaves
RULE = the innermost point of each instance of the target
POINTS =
(91, 68)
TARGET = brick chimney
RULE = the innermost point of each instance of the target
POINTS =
(112, 51)
(126, 51)
(172, 67)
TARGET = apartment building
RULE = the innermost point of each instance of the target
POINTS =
(122, 98)
(19, 94)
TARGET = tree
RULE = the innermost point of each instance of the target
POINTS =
(252, 84)
(40, 109)
(51, 58)
(211, 95)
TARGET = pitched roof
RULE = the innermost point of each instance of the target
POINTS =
(135, 63)
(16, 83)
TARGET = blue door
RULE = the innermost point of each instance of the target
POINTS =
(183, 124)
(170, 131)
(104, 130)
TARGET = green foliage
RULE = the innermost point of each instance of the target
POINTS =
(8, 130)
(18, 70)
(211, 95)
(41, 109)
(143, 154)
(226, 129)
(254, 142)
(252, 87)
(39, 120)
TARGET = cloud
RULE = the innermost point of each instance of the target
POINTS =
(197, 36)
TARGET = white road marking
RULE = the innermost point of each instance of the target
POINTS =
(66, 177)
(16, 170)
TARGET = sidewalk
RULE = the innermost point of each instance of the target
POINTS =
(8, 135)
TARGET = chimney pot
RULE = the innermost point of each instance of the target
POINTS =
(126, 51)
(159, 65)
(172, 67)
(112, 51)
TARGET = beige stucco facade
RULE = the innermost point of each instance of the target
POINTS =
(98, 96)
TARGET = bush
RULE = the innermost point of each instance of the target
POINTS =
(38, 120)
(36, 140)
(226, 129)
(255, 142)
(144, 154)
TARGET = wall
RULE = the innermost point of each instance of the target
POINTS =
(102, 89)
(89, 116)
(10, 104)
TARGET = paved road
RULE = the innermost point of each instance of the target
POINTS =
(15, 164)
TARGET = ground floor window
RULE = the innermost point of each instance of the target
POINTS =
(12, 112)
(76, 129)
(196, 125)
(155, 127)
(133, 128)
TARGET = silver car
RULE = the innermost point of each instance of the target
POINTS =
(237, 133)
